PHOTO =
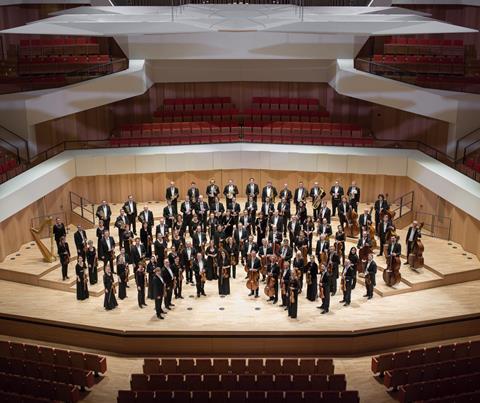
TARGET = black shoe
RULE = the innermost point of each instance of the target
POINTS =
(366, 295)
(180, 297)
(204, 294)
(140, 306)
(324, 311)
(369, 297)
(172, 304)
(160, 317)
(198, 295)
(404, 263)
(342, 301)
(250, 294)
(168, 308)
(286, 308)
(379, 254)
(145, 305)
(274, 302)
(346, 304)
(162, 311)
(127, 286)
(68, 278)
(256, 296)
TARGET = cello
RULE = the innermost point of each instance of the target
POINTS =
(363, 257)
(391, 275)
(253, 279)
(415, 259)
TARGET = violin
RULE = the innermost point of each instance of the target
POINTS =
(391, 275)
(415, 259)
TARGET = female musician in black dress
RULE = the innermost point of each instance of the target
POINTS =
(293, 290)
(100, 229)
(340, 240)
(354, 259)
(92, 263)
(231, 249)
(122, 266)
(151, 272)
(82, 280)
(211, 261)
(109, 302)
(260, 227)
(309, 228)
(312, 270)
(178, 242)
(180, 225)
(223, 264)
(146, 239)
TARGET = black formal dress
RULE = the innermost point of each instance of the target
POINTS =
(109, 302)
(91, 257)
(82, 284)
(294, 288)
(140, 276)
(122, 280)
(312, 270)
(224, 276)
(211, 262)
(325, 284)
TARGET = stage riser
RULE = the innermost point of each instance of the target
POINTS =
(247, 344)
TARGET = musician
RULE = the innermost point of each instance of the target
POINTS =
(228, 224)
(364, 240)
(107, 249)
(146, 216)
(137, 253)
(211, 255)
(370, 272)
(130, 207)
(158, 292)
(179, 226)
(283, 209)
(109, 301)
(240, 235)
(323, 246)
(253, 265)
(381, 206)
(325, 229)
(343, 211)
(354, 260)
(219, 239)
(230, 190)
(187, 256)
(413, 234)
(80, 238)
(193, 193)
(324, 283)
(122, 224)
(159, 247)
(202, 208)
(171, 194)
(146, 239)
(82, 279)
(336, 191)
(333, 263)
(300, 194)
(285, 280)
(384, 228)
(169, 213)
(286, 193)
(187, 209)
(122, 272)
(267, 208)
(365, 220)
(217, 208)
(316, 191)
(173, 254)
(251, 209)
(126, 242)
(269, 192)
(252, 190)
(199, 239)
(151, 273)
(264, 252)
(140, 280)
(162, 229)
(325, 212)
(91, 258)
(340, 242)
(235, 210)
(293, 229)
(212, 192)
(178, 275)
(301, 212)
(294, 286)
(59, 230)
(354, 195)
(347, 274)
(275, 238)
(199, 268)
(169, 279)
(261, 226)
(232, 250)
(223, 265)
(394, 248)
(194, 223)
(298, 267)
(104, 213)
(308, 228)
(286, 252)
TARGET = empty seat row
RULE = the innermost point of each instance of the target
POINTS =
(421, 64)
(198, 101)
(40, 388)
(426, 372)
(91, 59)
(197, 114)
(287, 366)
(178, 139)
(285, 103)
(300, 138)
(419, 356)
(167, 128)
(73, 376)
(285, 114)
(128, 396)
(68, 358)
(325, 129)
(238, 382)
(7, 397)
(424, 46)
(438, 388)
(473, 163)
(58, 42)
(469, 397)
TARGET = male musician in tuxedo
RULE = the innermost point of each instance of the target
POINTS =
(334, 261)
(122, 224)
(300, 194)
(294, 228)
(169, 213)
(158, 291)
(253, 265)
(59, 230)
(202, 208)
(199, 239)
(383, 228)
(252, 189)
(325, 212)
(251, 207)
(230, 190)
(234, 210)
(364, 240)
(343, 211)
(212, 192)
(323, 245)
(104, 213)
(315, 192)
(107, 249)
(193, 192)
(187, 209)
(381, 205)
(177, 273)
(199, 267)
(370, 272)
(140, 276)
(275, 237)
(325, 229)
(336, 191)
(130, 207)
(146, 216)
(269, 191)
(172, 193)
(137, 253)
(187, 258)
(247, 222)
(248, 247)
(286, 193)
(276, 220)
(286, 251)
(283, 208)
(169, 279)
(160, 248)
(267, 208)
(365, 219)
(413, 234)
(162, 229)
(394, 248)
(80, 238)
(353, 193)
(64, 256)
(217, 208)
(285, 279)
(324, 282)
(240, 235)
(347, 274)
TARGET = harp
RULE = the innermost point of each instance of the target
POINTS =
(48, 255)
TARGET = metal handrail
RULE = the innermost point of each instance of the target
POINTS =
(432, 228)
(84, 205)
(20, 159)
(405, 200)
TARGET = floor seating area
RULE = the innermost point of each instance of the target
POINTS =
(433, 373)
(30, 372)
(238, 380)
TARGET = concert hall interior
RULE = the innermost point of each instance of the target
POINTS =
(240, 201)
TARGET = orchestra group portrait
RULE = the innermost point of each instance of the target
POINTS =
(270, 242)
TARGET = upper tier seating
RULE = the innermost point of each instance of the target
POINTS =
(59, 64)
(423, 46)
(58, 46)
(182, 104)
(9, 166)
(421, 64)
(285, 103)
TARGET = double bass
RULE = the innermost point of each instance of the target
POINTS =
(391, 275)
(415, 259)
(372, 231)
(253, 279)
(363, 257)
(389, 212)
(353, 229)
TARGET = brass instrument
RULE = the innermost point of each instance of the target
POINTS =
(203, 276)
(102, 214)
(230, 195)
(48, 255)
(317, 201)
(127, 209)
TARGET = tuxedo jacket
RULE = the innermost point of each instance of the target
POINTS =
(319, 249)
(196, 241)
(235, 190)
(212, 189)
(158, 229)
(340, 193)
(361, 220)
(304, 195)
(417, 234)
(166, 212)
(279, 222)
(256, 190)
(344, 208)
(169, 194)
(221, 208)
(371, 270)
(78, 239)
(328, 229)
(134, 211)
(245, 248)
(270, 208)
(286, 209)
(287, 194)
(135, 257)
(325, 213)
(109, 212)
(288, 252)
(296, 231)
(240, 235)
(119, 221)
(357, 195)
(193, 193)
(273, 193)
(148, 218)
(104, 253)
(256, 264)
(397, 249)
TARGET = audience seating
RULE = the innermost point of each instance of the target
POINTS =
(215, 114)
(270, 115)
(285, 103)
(58, 64)
(58, 46)
(424, 46)
(420, 64)
(183, 104)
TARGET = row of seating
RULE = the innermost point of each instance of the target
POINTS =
(56, 356)
(288, 366)
(238, 382)
(308, 140)
(54, 391)
(7, 397)
(450, 83)
(58, 42)
(439, 388)
(473, 163)
(173, 115)
(421, 64)
(7, 166)
(285, 114)
(469, 397)
(423, 46)
(426, 372)
(203, 102)
(181, 139)
(325, 129)
(128, 396)
(285, 103)
(58, 64)
(74, 376)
